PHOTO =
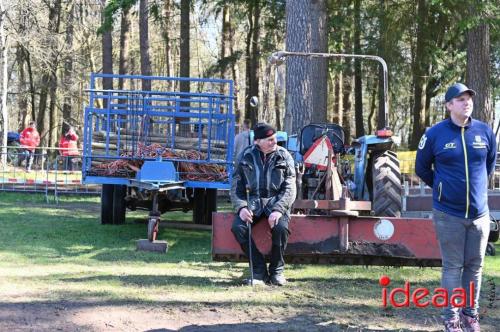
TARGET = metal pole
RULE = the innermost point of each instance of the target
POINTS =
(249, 236)
(277, 58)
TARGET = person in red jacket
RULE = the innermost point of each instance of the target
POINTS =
(29, 140)
(68, 145)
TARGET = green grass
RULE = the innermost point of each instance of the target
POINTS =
(53, 253)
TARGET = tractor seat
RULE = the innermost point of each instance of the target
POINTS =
(310, 133)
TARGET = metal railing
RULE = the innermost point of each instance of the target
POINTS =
(50, 173)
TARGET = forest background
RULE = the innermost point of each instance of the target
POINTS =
(49, 48)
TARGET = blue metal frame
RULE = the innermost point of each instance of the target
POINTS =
(134, 117)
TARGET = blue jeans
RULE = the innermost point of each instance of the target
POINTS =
(463, 245)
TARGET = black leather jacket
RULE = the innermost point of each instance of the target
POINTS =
(272, 182)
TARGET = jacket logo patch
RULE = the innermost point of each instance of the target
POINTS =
(450, 145)
(421, 144)
(478, 143)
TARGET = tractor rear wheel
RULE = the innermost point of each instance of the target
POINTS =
(387, 189)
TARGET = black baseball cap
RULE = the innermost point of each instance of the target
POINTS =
(456, 90)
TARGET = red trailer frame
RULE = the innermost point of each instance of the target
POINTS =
(341, 239)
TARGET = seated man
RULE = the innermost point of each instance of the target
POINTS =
(267, 171)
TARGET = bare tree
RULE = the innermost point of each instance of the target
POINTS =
(5, 119)
(107, 53)
(124, 67)
(68, 66)
(306, 80)
(144, 44)
(478, 71)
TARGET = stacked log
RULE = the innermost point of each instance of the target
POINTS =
(188, 171)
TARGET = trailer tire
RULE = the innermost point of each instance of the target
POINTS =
(490, 249)
(119, 204)
(107, 204)
(387, 188)
(495, 232)
(205, 202)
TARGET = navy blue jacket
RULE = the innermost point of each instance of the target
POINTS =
(456, 163)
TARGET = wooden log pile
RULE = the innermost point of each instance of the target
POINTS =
(181, 143)
(187, 171)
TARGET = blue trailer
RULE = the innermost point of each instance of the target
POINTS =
(160, 149)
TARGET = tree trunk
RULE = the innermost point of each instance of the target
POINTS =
(420, 74)
(47, 121)
(235, 72)
(347, 85)
(124, 45)
(167, 13)
(184, 44)
(5, 118)
(305, 86)
(347, 101)
(27, 57)
(252, 60)
(319, 67)
(144, 44)
(224, 40)
(107, 55)
(478, 71)
(358, 84)
(22, 100)
(68, 68)
(337, 102)
(381, 120)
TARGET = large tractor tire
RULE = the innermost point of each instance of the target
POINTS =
(387, 188)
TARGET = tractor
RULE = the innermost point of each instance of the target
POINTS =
(344, 213)
(326, 181)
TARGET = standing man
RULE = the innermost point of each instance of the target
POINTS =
(455, 158)
(242, 140)
(29, 140)
(268, 172)
(68, 145)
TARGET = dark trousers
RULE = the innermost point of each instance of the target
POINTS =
(28, 156)
(279, 240)
(68, 163)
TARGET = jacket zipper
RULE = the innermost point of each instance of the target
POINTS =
(440, 190)
(466, 175)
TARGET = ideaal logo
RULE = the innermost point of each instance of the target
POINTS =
(422, 297)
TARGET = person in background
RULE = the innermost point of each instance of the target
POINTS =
(68, 145)
(242, 140)
(29, 139)
(455, 158)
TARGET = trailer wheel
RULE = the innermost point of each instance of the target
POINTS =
(107, 203)
(494, 230)
(153, 224)
(387, 189)
(490, 249)
(205, 202)
(119, 204)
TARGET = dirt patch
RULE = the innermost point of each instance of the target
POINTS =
(70, 316)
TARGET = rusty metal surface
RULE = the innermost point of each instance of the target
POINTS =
(317, 239)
